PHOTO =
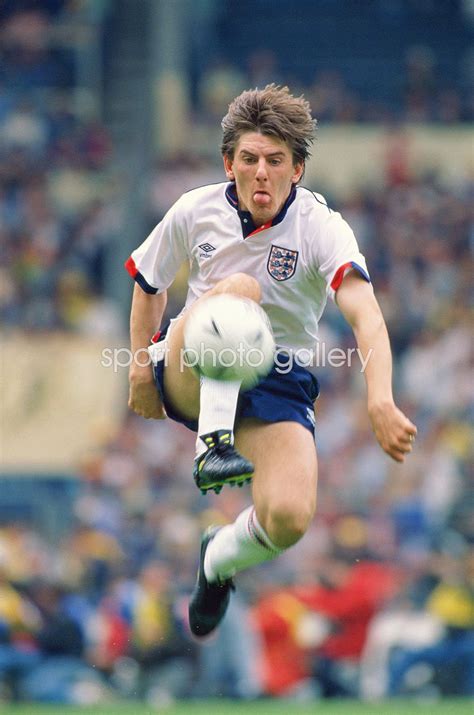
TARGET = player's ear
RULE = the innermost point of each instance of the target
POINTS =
(298, 172)
(228, 163)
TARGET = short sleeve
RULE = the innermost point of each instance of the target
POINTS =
(337, 253)
(154, 264)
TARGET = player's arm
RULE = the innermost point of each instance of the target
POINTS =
(145, 318)
(393, 430)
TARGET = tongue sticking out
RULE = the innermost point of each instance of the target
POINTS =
(260, 198)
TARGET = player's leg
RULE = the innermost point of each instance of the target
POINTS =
(284, 492)
(181, 384)
(212, 402)
(283, 489)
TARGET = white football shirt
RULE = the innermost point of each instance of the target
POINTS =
(299, 259)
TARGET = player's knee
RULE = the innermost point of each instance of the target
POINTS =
(241, 284)
(286, 523)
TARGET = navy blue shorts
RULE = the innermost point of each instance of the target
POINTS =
(280, 397)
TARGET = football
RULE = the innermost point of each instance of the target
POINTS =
(229, 338)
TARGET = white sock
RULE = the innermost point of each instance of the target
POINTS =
(237, 546)
(218, 407)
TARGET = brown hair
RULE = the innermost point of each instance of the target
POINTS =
(272, 111)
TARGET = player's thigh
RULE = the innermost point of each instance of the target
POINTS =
(180, 382)
(284, 456)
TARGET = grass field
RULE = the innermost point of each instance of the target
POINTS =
(281, 707)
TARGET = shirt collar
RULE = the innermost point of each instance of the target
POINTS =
(246, 221)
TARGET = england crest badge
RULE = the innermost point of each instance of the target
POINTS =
(282, 263)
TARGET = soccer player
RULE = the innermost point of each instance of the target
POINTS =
(262, 236)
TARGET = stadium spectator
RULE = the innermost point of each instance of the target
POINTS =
(452, 655)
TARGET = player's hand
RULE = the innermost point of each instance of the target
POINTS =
(145, 400)
(393, 430)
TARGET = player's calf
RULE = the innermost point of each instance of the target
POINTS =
(230, 341)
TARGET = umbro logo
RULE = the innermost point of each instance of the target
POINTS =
(206, 247)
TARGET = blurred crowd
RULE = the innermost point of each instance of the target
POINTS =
(378, 598)
(58, 192)
(408, 70)
(421, 98)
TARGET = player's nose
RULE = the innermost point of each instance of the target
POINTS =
(261, 172)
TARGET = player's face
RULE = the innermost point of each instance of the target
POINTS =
(263, 171)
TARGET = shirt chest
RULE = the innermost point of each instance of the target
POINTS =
(273, 256)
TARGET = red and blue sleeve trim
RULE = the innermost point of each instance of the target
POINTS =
(137, 276)
(341, 272)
